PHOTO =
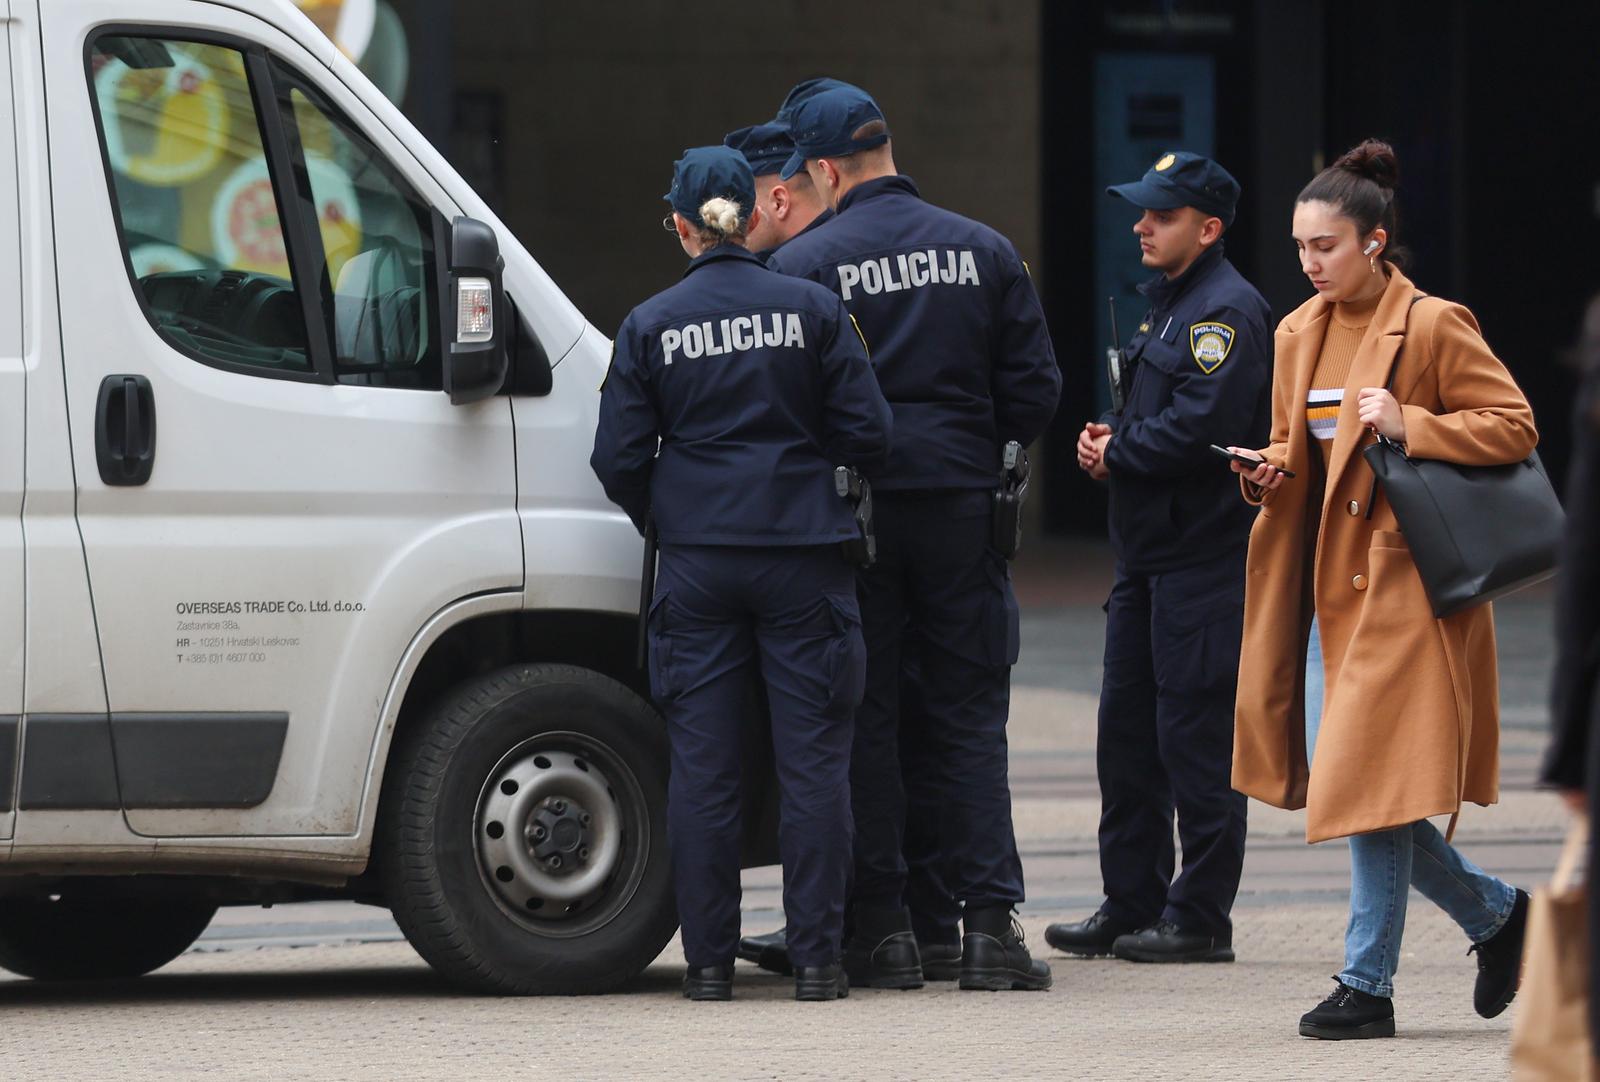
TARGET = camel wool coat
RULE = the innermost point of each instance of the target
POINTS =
(1410, 725)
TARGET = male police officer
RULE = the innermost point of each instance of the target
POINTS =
(962, 353)
(935, 914)
(1202, 373)
(788, 207)
(731, 398)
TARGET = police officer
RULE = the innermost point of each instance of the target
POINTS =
(731, 398)
(961, 350)
(935, 914)
(788, 207)
(1201, 374)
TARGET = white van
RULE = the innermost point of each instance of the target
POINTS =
(306, 587)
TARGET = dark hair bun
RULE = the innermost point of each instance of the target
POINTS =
(1375, 160)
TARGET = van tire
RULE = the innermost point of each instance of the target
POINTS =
(439, 807)
(75, 939)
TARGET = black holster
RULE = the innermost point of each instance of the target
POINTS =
(1009, 499)
(862, 549)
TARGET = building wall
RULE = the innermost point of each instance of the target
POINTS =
(599, 99)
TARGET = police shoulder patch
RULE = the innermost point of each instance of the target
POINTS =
(1210, 343)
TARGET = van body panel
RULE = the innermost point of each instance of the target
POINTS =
(13, 448)
(293, 535)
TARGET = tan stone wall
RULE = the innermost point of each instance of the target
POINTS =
(601, 97)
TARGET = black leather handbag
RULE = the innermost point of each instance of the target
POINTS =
(1475, 532)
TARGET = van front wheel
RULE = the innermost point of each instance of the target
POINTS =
(523, 834)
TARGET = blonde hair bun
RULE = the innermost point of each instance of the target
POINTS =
(720, 215)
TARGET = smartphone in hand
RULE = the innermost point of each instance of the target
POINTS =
(1246, 460)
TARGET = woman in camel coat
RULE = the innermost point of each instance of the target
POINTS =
(1343, 664)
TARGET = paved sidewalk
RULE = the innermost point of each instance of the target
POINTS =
(352, 1002)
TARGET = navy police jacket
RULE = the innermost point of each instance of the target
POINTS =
(958, 337)
(1202, 374)
(731, 398)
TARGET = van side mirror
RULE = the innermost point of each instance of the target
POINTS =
(475, 323)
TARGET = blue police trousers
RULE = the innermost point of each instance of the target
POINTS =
(1165, 742)
(937, 582)
(720, 615)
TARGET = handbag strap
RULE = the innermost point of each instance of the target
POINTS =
(1388, 385)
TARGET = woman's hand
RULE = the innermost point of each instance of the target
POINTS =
(1379, 411)
(1264, 476)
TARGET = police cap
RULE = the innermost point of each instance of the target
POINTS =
(765, 146)
(824, 126)
(805, 91)
(706, 172)
(1181, 179)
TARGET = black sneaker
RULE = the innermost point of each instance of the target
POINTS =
(1349, 1015)
(995, 959)
(890, 962)
(1164, 941)
(708, 982)
(1088, 938)
(770, 951)
(940, 961)
(815, 984)
(1500, 961)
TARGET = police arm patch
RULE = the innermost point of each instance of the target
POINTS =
(1210, 343)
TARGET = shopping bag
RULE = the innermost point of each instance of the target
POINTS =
(1550, 1034)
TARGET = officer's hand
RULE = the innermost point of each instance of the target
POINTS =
(1100, 471)
(1088, 455)
(1378, 410)
(1264, 476)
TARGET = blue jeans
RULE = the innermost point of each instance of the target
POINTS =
(1386, 863)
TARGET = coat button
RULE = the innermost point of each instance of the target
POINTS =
(1359, 582)
(1354, 508)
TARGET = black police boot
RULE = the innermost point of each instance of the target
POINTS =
(813, 984)
(993, 956)
(882, 952)
(1164, 941)
(770, 951)
(1347, 1015)
(1089, 938)
(940, 961)
(708, 982)
(1500, 961)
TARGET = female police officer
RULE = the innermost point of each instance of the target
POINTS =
(732, 396)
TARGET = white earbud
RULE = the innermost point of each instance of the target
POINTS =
(1372, 246)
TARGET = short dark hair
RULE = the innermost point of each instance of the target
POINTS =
(1361, 186)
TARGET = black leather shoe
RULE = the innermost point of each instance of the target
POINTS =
(813, 984)
(770, 951)
(1089, 938)
(1348, 1015)
(708, 982)
(1164, 941)
(890, 962)
(995, 959)
(940, 961)
(1500, 962)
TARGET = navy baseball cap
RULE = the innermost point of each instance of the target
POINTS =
(765, 146)
(805, 91)
(823, 126)
(705, 172)
(1181, 179)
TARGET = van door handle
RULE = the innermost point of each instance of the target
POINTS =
(125, 430)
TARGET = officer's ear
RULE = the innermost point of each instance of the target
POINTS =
(1210, 231)
(781, 203)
